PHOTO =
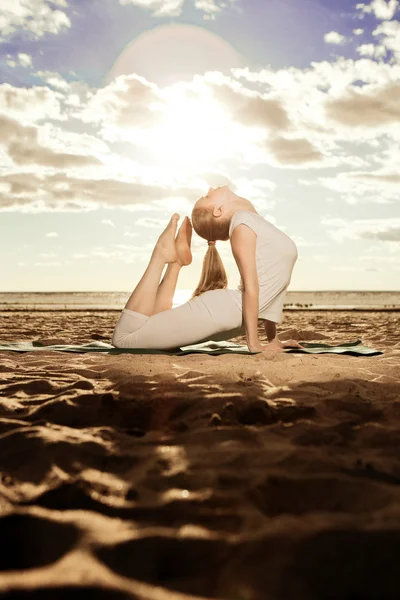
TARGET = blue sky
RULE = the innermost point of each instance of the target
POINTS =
(116, 113)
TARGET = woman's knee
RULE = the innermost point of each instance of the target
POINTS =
(117, 338)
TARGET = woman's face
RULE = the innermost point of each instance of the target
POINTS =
(213, 195)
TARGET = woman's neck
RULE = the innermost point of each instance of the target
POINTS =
(242, 204)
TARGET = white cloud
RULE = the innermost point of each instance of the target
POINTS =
(25, 60)
(390, 30)
(173, 8)
(23, 147)
(152, 223)
(380, 8)
(372, 50)
(54, 80)
(107, 222)
(50, 263)
(384, 230)
(159, 8)
(123, 104)
(22, 59)
(375, 186)
(333, 37)
(35, 16)
(51, 234)
(28, 192)
(358, 31)
(30, 104)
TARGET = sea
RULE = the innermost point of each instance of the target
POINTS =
(104, 301)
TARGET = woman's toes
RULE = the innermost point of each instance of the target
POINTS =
(175, 217)
(182, 243)
(166, 242)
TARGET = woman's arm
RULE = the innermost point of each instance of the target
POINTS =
(270, 330)
(243, 243)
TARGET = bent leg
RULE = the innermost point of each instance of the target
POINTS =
(210, 316)
(143, 297)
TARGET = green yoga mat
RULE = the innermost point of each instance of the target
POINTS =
(355, 348)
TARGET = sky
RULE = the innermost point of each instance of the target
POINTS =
(116, 113)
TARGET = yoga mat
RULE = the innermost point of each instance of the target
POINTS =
(354, 348)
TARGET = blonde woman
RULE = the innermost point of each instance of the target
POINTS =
(265, 257)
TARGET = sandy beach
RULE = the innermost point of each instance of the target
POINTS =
(234, 477)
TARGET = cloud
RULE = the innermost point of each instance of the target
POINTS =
(30, 104)
(390, 32)
(61, 192)
(107, 222)
(379, 8)
(173, 8)
(370, 107)
(53, 263)
(22, 145)
(51, 234)
(159, 8)
(385, 230)
(37, 17)
(53, 79)
(333, 37)
(126, 102)
(22, 59)
(372, 50)
(358, 31)
(379, 186)
(250, 108)
(152, 223)
(294, 151)
(211, 7)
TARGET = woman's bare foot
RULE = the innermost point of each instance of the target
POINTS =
(165, 246)
(182, 243)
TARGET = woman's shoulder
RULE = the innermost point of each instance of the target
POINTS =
(248, 217)
(244, 214)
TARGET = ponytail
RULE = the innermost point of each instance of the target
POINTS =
(213, 274)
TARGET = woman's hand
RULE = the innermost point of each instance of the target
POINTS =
(275, 346)
(267, 348)
(287, 343)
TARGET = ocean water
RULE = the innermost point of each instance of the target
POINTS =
(328, 300)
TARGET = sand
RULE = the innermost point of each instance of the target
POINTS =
(232, 477)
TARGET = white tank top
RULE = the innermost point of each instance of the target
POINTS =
(276, 254)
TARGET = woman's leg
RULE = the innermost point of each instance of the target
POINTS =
(150, 296)
(211, 316)
(143, 298)
(166, 289)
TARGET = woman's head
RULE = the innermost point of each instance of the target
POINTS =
(211, 214)
(211, 217)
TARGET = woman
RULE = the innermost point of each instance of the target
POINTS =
(264, 255)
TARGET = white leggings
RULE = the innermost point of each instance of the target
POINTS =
(213, 315)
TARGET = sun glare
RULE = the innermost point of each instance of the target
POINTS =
(193, 131)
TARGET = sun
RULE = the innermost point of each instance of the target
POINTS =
(192, 130)
(176, 52)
